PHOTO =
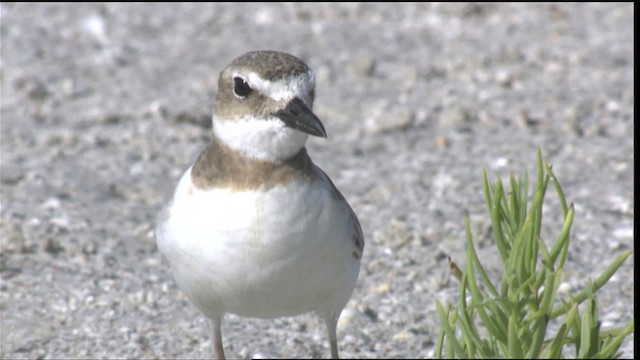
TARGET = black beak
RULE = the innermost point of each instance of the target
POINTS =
(297, 115)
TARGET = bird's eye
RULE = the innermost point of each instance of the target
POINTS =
(241, 88)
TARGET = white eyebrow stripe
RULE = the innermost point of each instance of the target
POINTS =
(283, 89)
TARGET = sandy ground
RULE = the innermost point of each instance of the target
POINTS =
(105, 105)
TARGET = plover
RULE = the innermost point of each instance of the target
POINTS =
(254, 227)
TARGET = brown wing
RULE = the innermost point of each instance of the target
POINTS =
(358, 237)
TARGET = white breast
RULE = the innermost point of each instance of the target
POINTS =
(239, 251)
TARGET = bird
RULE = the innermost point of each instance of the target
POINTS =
(254, 227)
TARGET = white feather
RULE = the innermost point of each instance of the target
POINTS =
(284, 89)
(239, 252)
(265, 139)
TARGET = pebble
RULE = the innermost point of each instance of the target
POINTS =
(404, 336)
(388, 121)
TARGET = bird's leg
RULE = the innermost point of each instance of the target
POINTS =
(331, 320)
(216, 337)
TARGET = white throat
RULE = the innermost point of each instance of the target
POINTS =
(263, 139)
